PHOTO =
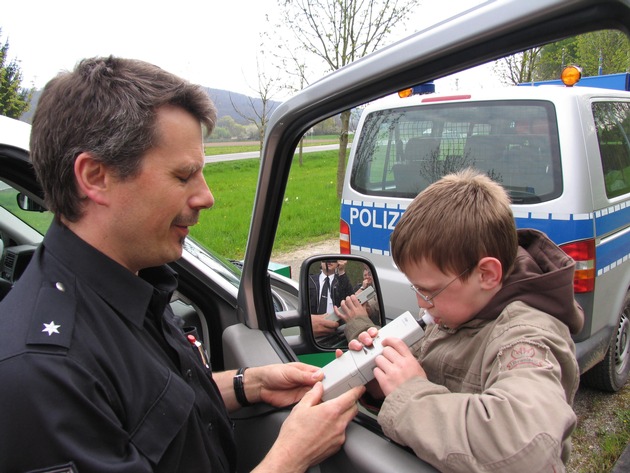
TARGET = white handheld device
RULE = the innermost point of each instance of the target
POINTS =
(356, 368)
(366, 294)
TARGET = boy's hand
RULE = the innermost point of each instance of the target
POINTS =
(350, 308)
(396, 365)
(363, 339)
(366, 339)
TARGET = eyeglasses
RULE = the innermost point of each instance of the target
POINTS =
(429, 299)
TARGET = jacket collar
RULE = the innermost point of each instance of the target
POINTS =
(128, 294)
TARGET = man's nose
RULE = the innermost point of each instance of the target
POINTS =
(203, 198)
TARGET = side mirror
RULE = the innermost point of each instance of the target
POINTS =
(326, 281)
(26, 203)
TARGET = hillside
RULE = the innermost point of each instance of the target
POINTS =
(221, 99)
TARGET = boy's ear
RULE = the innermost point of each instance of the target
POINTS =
(92, 177)
(491, 272)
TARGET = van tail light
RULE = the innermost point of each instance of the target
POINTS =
(344, 238)
(583, 252)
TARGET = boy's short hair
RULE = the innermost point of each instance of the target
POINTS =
(108, 107)
(454, 223)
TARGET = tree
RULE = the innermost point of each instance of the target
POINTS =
(519, 67)
(299, 72)
(599, 52)
(259, 116)
(603, 52)
(228, 128)
(339, 32)
(554, 57)
(14, 100)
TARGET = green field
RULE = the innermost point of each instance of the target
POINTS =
(310, 211)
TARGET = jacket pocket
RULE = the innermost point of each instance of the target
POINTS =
(164, 419)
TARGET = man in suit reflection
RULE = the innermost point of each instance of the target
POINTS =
(326, 290)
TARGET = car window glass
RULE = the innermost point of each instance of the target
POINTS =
(40, 221)
(403, 150)
(612, 120)
(221, 266)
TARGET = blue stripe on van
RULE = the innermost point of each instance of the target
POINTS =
(612, 219)
(560, 228)
(371, 226)
(613, 252)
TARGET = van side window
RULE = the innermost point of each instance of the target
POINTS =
(612, 120)
(401, 151)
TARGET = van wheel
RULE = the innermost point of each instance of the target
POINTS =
(612, 372)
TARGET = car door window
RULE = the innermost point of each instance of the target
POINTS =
(40, 221)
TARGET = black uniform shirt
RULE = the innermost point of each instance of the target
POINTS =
(96, 375)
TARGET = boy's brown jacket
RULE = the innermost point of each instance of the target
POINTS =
(501, 386)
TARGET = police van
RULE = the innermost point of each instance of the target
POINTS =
(563, 155)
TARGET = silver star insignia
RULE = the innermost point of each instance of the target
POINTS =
(51, 328)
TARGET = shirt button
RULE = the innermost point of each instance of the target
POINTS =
(210, 427)
(189, 375)
(60, 287)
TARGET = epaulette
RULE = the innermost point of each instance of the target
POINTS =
(53, 318)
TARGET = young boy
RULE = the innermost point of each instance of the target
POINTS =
(490, 386)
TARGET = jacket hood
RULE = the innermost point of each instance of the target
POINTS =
(542, 278)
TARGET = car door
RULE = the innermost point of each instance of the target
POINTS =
(492, 30)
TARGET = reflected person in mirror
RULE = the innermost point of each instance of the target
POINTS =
(96, 373)
(491, 384)
(371, 306)
(353, 313)
(327, 289)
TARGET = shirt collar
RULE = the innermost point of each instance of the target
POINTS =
(128, 294)
(322, 277)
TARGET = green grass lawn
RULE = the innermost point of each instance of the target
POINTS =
(310, 211)
(227, 149)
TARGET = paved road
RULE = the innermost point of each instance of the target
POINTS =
(256, 154)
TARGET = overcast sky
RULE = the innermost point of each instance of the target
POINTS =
(212, 42)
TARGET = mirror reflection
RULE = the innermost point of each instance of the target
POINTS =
(330, 283)
(26, 203)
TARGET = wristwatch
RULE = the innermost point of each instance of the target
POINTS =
(239, 387)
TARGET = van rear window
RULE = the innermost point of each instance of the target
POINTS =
(401, 151)
(612, 120)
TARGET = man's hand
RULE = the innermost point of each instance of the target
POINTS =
(312, 432)
(280, 384)
(323, 326)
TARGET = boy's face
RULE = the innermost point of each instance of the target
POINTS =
(457, 301)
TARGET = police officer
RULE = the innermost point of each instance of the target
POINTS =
(96, 375)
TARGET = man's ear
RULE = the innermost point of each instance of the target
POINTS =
(93, 178)
(491, 272)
